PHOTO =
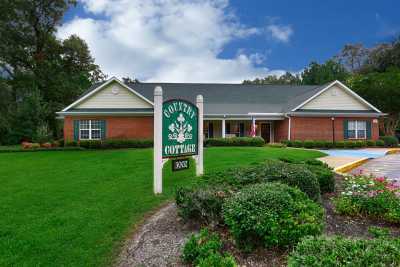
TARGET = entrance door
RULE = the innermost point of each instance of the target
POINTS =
(265, 132)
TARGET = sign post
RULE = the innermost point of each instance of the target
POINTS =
(158, 161)
(178, 132)
(199, 161)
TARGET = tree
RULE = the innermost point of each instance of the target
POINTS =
(317, 74)
(382, 89)
(383, 57)
(38, 65)
(287, 78)
(353, 56)
(128, 80)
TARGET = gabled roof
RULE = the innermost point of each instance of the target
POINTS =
(231, 99)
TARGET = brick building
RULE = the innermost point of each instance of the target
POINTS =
(333, 112)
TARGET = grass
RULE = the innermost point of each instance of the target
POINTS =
(75, 208)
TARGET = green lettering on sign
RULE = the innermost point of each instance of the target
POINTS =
(180, 128)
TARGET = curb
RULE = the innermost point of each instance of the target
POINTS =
(393, 151)
(349, 166)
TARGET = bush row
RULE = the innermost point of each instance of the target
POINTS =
(337, 144)
(203, 201)
(338, 252)
(235, 141)
(112, 143)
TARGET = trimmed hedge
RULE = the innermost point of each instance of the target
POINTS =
(112, 143)
(235, 141)
(271, 215)
(339, 144)
(390, 141)
(339, 252)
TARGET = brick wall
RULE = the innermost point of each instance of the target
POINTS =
(281, 130)
(117, 127)
(308, 128)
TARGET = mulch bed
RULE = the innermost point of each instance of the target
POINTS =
(158, 242)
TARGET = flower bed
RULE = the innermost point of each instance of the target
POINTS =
(369, 196)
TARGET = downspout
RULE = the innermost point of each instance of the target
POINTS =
(290, 126)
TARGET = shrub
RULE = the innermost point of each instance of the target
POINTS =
(112, 143)
(328, 144)
(338, 252)
(128, 143)
(217, 260)
(319, 144)
(91, 144)
(235, 141)
(368, 196)
(371, 143)
(325, 176)
(296, 175)
(297, 143)
(201, 202)
(200, 246)
(380, 143)
(204, 249)
(276, 145)
(287, 143)
(340, 144)
(71, 144)
(309, 144)
(349, 144)
(35, 145)
(271, 214)
(390, 141)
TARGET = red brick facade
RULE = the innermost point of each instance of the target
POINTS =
(318, 128)
(117, 127)
(302, 128)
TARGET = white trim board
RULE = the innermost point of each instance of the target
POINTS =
(113, 79)
(347, 89)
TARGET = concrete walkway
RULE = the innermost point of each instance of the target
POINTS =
(343, 160)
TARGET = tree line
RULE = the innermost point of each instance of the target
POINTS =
(373, 73)
(39, 74)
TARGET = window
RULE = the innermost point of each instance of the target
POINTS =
(357, 130)
(89, 129)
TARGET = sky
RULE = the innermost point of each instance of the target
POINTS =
(224, 40)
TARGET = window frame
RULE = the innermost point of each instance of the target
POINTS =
(356, 129)
(90, 128)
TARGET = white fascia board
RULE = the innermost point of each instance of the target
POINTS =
(78, 113)
(341, 114)
(113, 79)
(345, 88)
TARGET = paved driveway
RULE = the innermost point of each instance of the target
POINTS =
(387, 166)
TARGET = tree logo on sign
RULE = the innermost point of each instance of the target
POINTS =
(180, 130)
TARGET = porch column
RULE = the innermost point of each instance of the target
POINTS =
(223, 128)
(253, 127)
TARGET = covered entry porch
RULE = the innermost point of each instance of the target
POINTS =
(239, 127)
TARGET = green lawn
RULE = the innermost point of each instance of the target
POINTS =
(75, 208)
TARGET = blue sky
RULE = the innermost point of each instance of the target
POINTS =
(221, 40)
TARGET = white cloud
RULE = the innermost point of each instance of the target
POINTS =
(169, 40)
(280, 33)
